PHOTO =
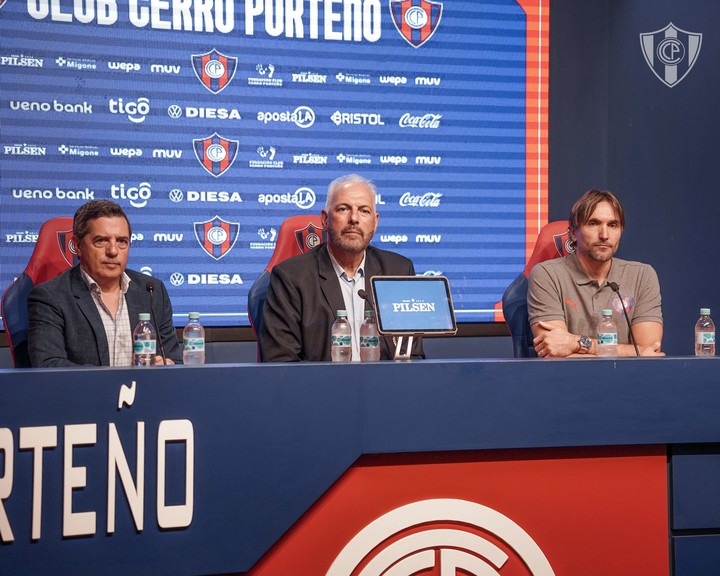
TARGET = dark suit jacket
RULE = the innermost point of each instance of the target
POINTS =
(66, 328)
(302, 299)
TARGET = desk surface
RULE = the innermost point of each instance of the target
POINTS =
(270, 439)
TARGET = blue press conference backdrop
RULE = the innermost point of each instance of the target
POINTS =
(210, 123)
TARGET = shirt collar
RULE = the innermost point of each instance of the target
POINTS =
(339, 269)
(579, 275)
(95, 288)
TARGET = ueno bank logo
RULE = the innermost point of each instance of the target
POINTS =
(440, 536)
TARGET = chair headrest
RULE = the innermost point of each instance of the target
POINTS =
(53, 251)
(552, 242)
(297, 235)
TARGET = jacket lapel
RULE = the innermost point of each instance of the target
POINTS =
(88, 308)
(329, 283)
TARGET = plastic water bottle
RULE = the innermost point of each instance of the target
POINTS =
(369, 339)
(704, 334)
(341, 335)
(193, 341)
(607, 343)
(144, 342)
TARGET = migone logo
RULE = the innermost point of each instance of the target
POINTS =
(446, 549)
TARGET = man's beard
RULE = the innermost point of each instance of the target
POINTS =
(352, 244)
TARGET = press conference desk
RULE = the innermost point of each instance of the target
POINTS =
(248, 449)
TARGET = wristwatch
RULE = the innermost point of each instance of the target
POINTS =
(585, 344)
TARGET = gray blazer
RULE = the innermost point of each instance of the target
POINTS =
(66, 328)
(302, 299)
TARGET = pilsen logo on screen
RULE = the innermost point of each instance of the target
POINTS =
(416, 20)
(214, 70)
(217, 236)
(215, 153)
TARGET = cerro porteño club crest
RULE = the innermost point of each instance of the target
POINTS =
(215, 153)
(217, 236)
(416, 20)
(671, 53)
(214, 70)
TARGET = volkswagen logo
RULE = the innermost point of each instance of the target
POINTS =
(176, 195)
(177, 279)
(174, 111)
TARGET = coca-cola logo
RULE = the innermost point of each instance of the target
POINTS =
(427, 200)
(427, 121)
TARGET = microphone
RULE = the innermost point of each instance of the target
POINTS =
(615, 288)
(365, 296)
(149, 287)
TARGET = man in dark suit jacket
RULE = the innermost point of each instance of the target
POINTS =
(66, 313)
(306, 291)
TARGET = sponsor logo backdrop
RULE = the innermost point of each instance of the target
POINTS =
(212, 123)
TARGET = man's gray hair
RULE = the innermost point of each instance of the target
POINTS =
(338, 183)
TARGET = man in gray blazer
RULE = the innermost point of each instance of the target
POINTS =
(306, 291)
(86, 315)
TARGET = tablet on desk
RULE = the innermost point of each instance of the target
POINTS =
(413, 305)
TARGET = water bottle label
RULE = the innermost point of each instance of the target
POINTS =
(144, 347)
(705, 337)
(607, 339)
(194, 344)
(341, 340)
(369, 341)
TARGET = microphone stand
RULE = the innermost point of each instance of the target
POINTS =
(615, 288)
(150, 288)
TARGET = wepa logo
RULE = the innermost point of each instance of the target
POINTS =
(216, 236)
(416, 21)
(214, 70)
(440, 536)
(671, 53)
(215, 153)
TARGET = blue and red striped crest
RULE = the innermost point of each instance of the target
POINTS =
(416, 20)
(215, 153)
(214, 70)
(217, 236)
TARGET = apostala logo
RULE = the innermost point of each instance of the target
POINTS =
(266, 76)
(217, 236)
(215, 153)
(267, 158)
(304, 198)
(355, 159)
(302, 117)
(309, 78)
(76, 63)
(671, 53)
(416, 21)
(214, 70)
(352, 78)
(21, 60)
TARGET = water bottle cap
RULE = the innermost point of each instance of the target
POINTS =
(369, 313)
(341, 314)
(607, 312)
(144, 317)
(194, 315)
(704, 311)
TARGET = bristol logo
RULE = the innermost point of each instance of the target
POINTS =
(216, 236)
(309, 237)
(215, 153)
(214, 70)
(416, 20)
(671, 53)
(67, 247)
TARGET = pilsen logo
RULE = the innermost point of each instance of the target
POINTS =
(214, 70)
(671, 53)
(416, 20)
(216, 236)
(309, 237)
(65, 243)
(215, 153)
